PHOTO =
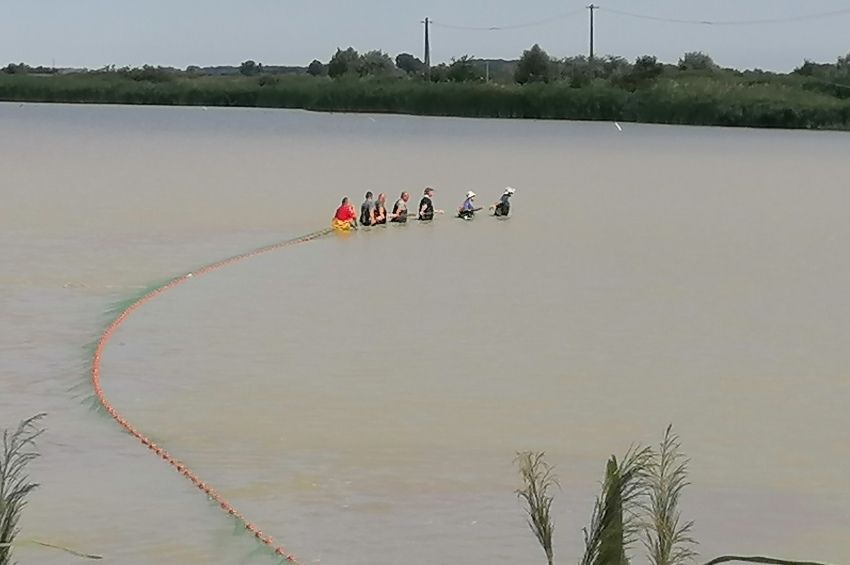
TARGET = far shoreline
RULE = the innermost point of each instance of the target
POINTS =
(379, 113)
(695, 91)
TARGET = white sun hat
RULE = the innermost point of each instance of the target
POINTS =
(470, 194)
(509, 190)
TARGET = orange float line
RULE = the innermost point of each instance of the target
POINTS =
(180, 467)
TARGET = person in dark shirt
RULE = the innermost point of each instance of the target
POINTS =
(399, 214)
(367, 211)
(426, 206)
(503, 206)
(381, 210)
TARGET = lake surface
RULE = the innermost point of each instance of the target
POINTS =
(362, 398)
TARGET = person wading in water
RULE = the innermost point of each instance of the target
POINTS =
(399, 214)
(467, 209)
(344, 218)
(367, 211)
(426, 206)
(381, 210)
(503, 206)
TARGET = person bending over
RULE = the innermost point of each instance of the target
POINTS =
(503, 206)
(467, 209)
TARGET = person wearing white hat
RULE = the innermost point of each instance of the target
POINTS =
(467, 209)
(503, 206)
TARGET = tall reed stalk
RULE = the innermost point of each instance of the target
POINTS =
(668, 539)
(615, 521)
(538, 479)
(18, 452)
(640, 494)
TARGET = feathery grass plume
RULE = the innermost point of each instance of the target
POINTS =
(667, 540)
(615, 522)
(539, 479)
(18, 452)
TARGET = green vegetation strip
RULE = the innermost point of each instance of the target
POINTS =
(695, 91)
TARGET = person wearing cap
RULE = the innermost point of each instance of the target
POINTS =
(467, 209)
(367, 211)
(399, 214)
(426, 205)
(503, 206)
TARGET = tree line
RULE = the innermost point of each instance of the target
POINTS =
(694, 90)
(535, 65)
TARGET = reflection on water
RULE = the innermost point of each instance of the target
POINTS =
(361, 398)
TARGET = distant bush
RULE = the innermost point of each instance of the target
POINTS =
(147, 73)
(535, 65)
(464, 70)
(696, 61)
(316, 68)
(24, 69)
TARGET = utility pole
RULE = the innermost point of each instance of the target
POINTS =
(427, 23)
(592, 9)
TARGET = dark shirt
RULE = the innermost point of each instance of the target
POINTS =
(380, 214)
(366, 212)
(503, 208)
(428, 212)
(400, 211)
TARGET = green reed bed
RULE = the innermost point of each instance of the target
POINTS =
(672, 98)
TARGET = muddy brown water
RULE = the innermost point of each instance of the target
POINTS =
(362, 398)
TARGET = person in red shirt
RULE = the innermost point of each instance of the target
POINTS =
(345, 218)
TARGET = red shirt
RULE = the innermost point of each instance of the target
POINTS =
(345, 213)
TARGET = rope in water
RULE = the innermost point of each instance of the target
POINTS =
(167, 457)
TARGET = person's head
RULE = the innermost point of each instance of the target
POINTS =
(405, 196)
(509, 191)
(470, 194)
(344, 200)
(429, 192)
(369, 195)
(382, 198)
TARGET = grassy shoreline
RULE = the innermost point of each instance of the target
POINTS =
(695, 98)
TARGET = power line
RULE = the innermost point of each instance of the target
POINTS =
(534, 23)
(550, 19)
(790, 19)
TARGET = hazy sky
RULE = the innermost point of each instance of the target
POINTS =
(178, 33)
